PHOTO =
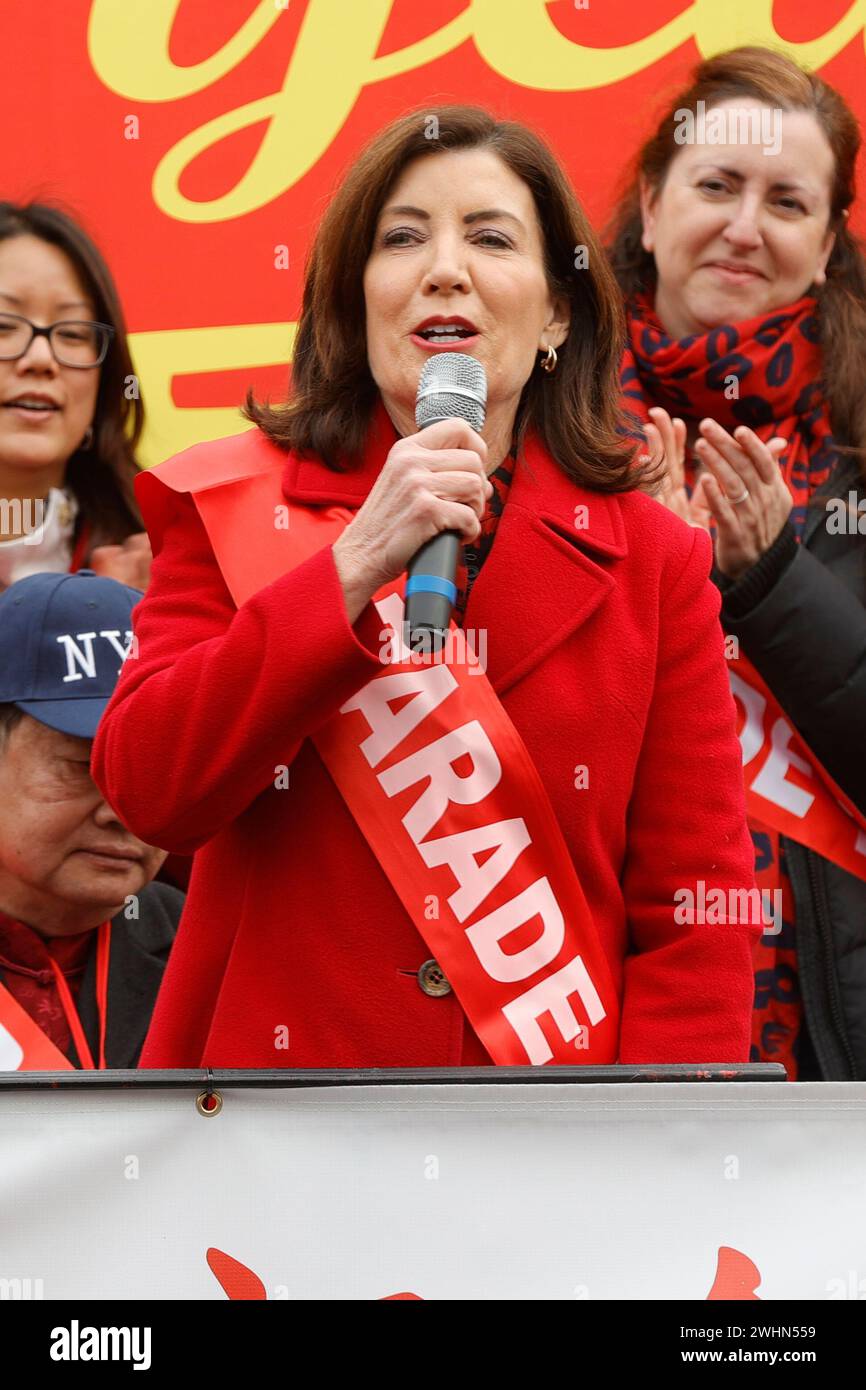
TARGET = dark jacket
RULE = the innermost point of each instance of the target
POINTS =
(800, 617)
(139, 954)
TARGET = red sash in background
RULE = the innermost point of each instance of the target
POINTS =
(786, 786)
(24, 1046)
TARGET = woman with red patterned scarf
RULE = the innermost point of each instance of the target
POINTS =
(746, 304)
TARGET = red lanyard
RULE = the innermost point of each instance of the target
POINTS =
(82, 1046)
(80, 551)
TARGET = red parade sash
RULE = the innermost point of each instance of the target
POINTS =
(24, 1046)
(786, 786)
(550, 996)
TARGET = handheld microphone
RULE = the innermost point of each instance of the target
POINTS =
(452, 384)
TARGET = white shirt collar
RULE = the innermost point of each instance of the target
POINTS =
(48, 547)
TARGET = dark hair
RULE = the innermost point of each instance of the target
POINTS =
(10, 715)
(775, 80)
(575, 410)
(100, 477)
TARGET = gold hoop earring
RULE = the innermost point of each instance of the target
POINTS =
(548, 363)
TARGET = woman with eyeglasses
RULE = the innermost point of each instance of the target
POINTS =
(68, 430)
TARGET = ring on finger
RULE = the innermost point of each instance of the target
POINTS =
(742, 497)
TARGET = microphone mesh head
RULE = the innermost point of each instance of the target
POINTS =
(452, 384)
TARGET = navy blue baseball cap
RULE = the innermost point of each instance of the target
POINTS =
(63, 638)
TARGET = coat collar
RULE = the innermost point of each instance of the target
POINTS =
(542, 579)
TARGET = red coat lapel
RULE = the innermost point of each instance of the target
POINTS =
(540, 582)
(542, 579)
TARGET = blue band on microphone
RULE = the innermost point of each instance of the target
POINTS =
(431, 584)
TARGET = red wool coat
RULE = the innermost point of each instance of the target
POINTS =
(604, 647)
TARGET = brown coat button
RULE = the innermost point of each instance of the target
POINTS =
(431, 978)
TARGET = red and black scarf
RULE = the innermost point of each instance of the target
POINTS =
(764, 372)
(472, 557)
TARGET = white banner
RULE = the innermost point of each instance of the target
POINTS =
(672, 1190)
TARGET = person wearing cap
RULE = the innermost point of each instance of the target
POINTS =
(84, 932)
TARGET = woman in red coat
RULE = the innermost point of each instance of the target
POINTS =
(410, 863)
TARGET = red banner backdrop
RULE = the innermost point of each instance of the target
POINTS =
(199, 140)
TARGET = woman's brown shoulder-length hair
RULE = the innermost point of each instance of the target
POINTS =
(101, 477)
(574, 410)
(775, 80)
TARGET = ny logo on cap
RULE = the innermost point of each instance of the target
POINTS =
(86, 659)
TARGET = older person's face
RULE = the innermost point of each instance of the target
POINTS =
(38, 281)
(458, 240)
(736, 232)
(55, 827)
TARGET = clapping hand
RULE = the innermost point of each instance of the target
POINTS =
(666, 441)
(745, 492)
(741, 495)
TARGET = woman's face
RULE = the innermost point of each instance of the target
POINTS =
(38, 281)
(458, 240)
(737, 232)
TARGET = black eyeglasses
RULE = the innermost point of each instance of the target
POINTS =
(74, 342)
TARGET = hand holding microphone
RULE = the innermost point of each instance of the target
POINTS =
(432, 482)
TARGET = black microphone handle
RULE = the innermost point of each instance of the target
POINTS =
(428, 615)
